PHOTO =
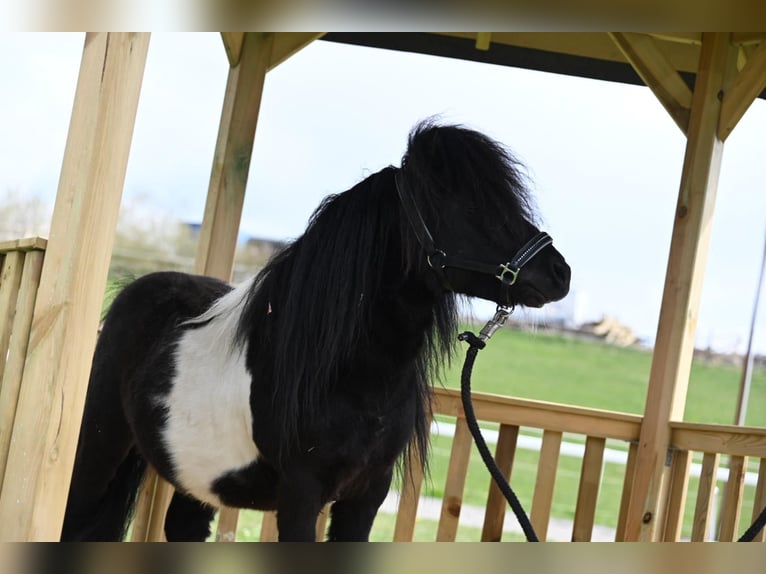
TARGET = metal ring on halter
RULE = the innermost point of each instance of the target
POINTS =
(440, 253)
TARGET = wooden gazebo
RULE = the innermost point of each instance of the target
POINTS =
(50, 295)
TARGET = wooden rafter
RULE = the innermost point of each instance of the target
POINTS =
(232, 43)
(657, 73)
(286, 44)
(483, 40)
(747, 85)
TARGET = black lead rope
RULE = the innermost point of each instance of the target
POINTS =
(755, 528)
(475, 345)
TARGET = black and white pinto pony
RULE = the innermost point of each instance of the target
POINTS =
(308, 383)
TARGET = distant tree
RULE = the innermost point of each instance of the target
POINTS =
(23, 215)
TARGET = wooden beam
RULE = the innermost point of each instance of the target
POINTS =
(483, 40)
(68, 305)
(226, 195)
(231, 161)
(232, 43)
(14, 351)
(674, 344)
(657, 73)
(747, 85)
(286, 44)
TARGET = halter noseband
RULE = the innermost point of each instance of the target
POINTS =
(507, 273)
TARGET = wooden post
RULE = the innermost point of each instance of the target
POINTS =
(225, 198)
(671, 361)
(68, 305)
(231, 162)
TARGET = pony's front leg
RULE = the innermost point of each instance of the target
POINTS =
(352, 518)
(299, 504)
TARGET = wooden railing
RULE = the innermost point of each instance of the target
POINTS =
(735, 446)
(21, 263)
(595, 426)
(589, 428)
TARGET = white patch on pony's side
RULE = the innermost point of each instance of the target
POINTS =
(209, 425)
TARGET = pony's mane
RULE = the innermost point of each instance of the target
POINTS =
(314, 304)
(443, 160)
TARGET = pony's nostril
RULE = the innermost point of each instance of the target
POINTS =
(561, 272)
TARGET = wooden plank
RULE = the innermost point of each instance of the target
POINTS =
(759, 499)
(587, 494)
(732, 499)
(453, 488)
(269, 530)
(680, 49)
(232, 43)
(627, 487)
(494, 514)
(286, 44)
(72, 285)
(10, 280)
(25, 244)
(747, 38)
(228, 179)
(679, 488)
(541, 414)
(671, 359)
(228, 518)
(723, 439)
(545, 482)
(747, 86)
(12, 371)
(143, 512)
(407, 511)
(657, 73)
(231, 161)
(705, 496)
(483, 40)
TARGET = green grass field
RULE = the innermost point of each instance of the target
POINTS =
(572, 371)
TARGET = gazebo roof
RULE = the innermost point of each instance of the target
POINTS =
(594, 55)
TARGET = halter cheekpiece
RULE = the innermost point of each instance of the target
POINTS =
(507, 273)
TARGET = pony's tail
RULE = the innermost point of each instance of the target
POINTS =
(109, 521)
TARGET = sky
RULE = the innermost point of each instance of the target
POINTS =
(604, 159)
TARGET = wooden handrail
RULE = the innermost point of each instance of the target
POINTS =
(541, 415)
(723, 439)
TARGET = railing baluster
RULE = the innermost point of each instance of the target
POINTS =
(404, 529)
(705, 495)
(732, 499)
(587, 496)
(494, 514)
(144, 502)
(453, 489)
(269, 532)
(679, 488)
(11, 266)
(545, 482)
(627, 486)
(21, 272)
(227, 525)
(759, 500)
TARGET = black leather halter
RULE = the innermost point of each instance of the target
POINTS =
(507, 273)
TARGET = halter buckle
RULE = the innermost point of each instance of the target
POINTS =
(507, 274)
